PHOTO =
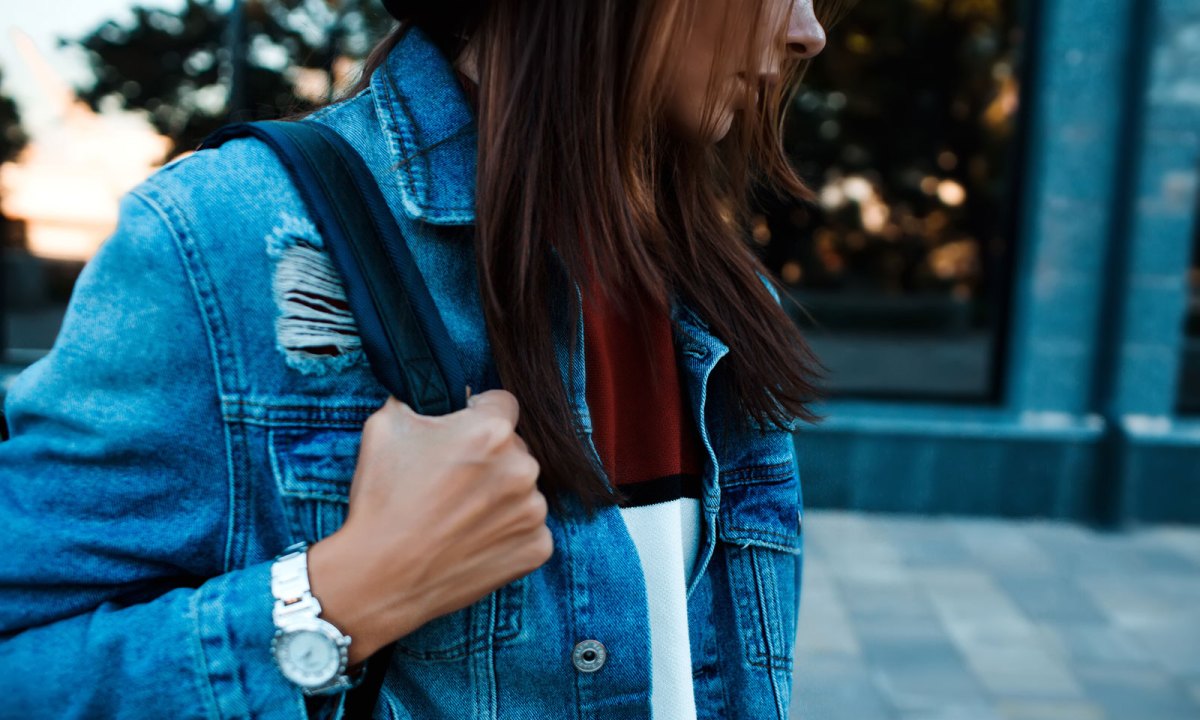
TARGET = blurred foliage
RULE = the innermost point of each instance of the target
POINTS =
(12, 140)
(177, 66)
(12, 135)
(905, 128)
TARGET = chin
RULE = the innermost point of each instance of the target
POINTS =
(713, 133)
(690, 127)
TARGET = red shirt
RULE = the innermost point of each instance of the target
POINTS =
(644, 432)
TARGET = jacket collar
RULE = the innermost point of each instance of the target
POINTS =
(432, 140)
(430, 131)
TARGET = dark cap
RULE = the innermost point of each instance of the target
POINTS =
(446, 9)
(398, 8)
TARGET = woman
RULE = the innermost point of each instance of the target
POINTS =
(204, 464)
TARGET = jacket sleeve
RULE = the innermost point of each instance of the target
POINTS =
(800, 506)
(117, 593)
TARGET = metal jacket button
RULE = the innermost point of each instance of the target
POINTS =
(589, 655)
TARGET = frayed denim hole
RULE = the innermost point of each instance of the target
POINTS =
(315, 329)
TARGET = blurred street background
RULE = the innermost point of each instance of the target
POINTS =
(904, 617)
(1002, 275)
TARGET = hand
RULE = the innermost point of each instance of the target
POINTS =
(443, 510)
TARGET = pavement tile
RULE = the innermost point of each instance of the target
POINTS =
(887, 597)
(1003, 546)
(858, 545)
(1138, 694)
(971, 600)
(1050, 710)
(955, 711)
(1182, 590)
(989, 619)
(920, 689)
(916, 666)
(823, 626)
(1097, 644)
(1126, 601)
(1056, 598)
(1077, 551)
(828, 688)
(824, 629)
(1183, 541)
(885, 632)
(1175, 645)
(1023, 671)
(1164, 560)
(924, 542)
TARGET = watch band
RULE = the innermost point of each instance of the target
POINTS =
(296, 607)
(289, 584)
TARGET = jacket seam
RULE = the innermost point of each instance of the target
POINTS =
(206, 689)
(204, 297)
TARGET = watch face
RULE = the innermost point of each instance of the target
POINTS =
(308, 657)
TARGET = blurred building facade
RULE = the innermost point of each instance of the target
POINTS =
(1058, 372)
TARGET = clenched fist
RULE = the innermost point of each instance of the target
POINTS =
(443, 510)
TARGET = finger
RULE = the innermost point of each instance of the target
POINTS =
(520, 441)
(395, 404)
(500, 403)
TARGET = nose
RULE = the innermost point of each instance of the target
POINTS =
(805, 36)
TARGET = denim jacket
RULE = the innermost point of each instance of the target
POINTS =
(197, 415)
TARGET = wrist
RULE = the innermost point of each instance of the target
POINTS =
(309, 650)
(348, 598)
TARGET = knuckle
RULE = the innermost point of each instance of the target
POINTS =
(527, 467)
(506, 395)
(506, 489)
(390, 409)
(375, 423)
(539, 508)
(542, 546)
(491, 431)
(520, 441)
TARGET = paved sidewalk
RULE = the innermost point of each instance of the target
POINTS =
(970, 619)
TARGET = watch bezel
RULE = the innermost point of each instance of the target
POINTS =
(326, 629)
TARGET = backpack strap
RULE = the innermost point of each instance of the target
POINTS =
(405, 341)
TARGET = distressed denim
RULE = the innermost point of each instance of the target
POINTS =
(197, 415)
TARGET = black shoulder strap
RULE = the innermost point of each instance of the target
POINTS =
(403, 336)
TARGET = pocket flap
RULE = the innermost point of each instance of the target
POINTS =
(760, 505)
(316, 463)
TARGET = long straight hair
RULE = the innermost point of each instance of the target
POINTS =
(574, 158)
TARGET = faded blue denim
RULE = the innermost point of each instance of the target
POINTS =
(181, 433)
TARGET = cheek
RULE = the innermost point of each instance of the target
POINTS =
(684, 107)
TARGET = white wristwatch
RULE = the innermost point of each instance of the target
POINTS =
(310, 651)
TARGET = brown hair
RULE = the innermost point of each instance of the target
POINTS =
(574, 157)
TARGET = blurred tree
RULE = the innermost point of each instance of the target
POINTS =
(905, 128)
(12, 135)
(12, 140)
(178, 66)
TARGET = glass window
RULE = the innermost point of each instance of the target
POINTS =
(907, 130)
(1189, 378)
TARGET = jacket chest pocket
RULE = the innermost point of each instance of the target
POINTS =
(759, 528)
(313, 468)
